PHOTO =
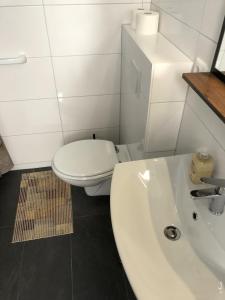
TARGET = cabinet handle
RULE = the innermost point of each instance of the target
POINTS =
(138, 80)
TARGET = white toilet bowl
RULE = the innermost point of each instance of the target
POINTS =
(88, 164)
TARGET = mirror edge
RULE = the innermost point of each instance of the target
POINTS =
(215, 71)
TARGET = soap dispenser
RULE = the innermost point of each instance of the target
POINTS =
(202, 165)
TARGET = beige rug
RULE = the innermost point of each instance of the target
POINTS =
(44, 208)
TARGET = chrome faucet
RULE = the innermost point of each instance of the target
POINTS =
(215, 194)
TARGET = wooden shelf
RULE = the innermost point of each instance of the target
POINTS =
(210, 89)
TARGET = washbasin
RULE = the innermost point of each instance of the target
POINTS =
(146, 197)
(205, 232)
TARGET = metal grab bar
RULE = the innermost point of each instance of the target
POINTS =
(22, 59)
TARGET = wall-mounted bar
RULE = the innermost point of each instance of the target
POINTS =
(22, 59)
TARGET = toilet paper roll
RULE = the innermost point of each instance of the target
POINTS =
(134, 15)
(147, 23)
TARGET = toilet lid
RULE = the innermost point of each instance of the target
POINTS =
(86, 158)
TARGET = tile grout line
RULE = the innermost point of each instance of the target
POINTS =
(120, 101)
(71, 267)
(33, 133)
(203, 123)
(181, 120)
(2, 227)
(73, 4)
(69, 98)
(55, 98)
(186, 24)
(199, 34)
(53, 71)
(96, 4)
(187, 55)
(20, 272)
(90, 95)
(64, 131)
(73, 55)
(103, 214)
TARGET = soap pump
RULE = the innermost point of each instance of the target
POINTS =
(202, 165)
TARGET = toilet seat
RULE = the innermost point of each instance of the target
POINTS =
(86, 160)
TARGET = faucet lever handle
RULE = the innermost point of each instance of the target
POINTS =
(219, 182)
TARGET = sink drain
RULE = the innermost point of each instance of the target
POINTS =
(172, 233)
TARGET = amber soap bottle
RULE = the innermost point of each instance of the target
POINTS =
(202, 165)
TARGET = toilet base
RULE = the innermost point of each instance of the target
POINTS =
(104, 187)
(101, 189)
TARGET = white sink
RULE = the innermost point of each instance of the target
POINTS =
(207, 234)
(147, 196)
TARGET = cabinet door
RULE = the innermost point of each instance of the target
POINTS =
(136, 76)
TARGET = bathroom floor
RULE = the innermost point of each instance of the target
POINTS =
(81, 266)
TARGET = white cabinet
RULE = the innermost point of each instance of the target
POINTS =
(152, 93)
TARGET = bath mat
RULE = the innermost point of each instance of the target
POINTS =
(44, 208)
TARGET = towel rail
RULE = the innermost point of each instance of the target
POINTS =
(22, 59)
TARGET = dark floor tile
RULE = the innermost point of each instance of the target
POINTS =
(97, 271)
(9, 193)
(46, 270)
(84, 205)
(129, 290)
(10, 262)
(39, 169)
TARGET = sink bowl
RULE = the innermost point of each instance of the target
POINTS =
(206, 231)
(146, 197)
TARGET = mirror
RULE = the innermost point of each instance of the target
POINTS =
(218, 66)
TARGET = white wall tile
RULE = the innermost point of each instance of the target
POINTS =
(87, 29)
(87, 75)
(20, 2)
(32, 80)
(188, 11)
(90, 112)
(165, 121)
(200, 127)
(194, 136)
(171, 88)
(182, 36)
(33, 148)
(206, 50)
(23, 30)
(213, 18)
(110, 134)
(149, 155)
(207, 116)
(115, 138)
(26, 117)
(29, 112)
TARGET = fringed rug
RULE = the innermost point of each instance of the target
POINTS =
(44, 208)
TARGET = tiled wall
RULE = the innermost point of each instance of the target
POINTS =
(194, 26)
(69, 88)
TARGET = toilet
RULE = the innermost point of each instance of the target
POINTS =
(89, 164)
